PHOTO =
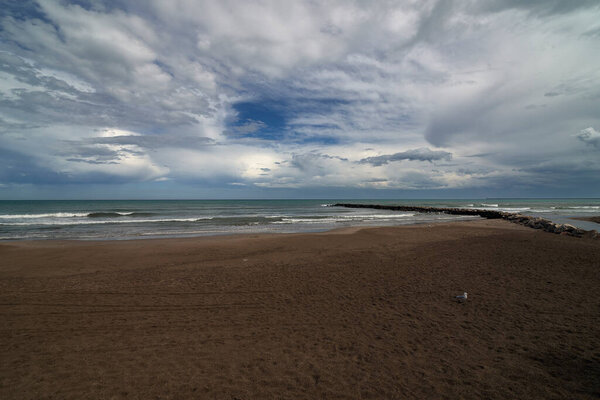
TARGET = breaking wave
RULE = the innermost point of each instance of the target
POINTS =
(118, 214)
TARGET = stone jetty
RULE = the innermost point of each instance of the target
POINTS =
(526, 220)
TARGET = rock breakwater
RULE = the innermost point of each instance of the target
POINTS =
(526, 220)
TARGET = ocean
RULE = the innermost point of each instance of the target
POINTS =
(138, 219)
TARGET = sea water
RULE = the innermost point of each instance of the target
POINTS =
(135, 219)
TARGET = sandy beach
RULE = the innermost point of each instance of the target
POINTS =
(351, 314)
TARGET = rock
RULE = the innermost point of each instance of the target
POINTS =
(532, 222)
(569, 227)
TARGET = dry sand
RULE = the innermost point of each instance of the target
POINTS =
(356, 314)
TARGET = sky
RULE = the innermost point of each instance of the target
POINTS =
(299, 99)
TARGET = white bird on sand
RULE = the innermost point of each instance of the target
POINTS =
(461, 298)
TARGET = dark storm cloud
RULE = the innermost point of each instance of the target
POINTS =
(542, 7)
(54, 99)
(82, 152)
(562, 173)
(6, 126)
(17, 168)
(423, 154)
(112, 149)
(21, 168)
(24, 72)
(312, 161)
(88, 161)
(77, 149)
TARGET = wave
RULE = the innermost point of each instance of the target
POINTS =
(472, 205)
(379, 216)
(570, 209)
(340, 218)
(305, 220)
(118, 214)
(46, 215)
(239, 220)
(574, 207)
(98, 214)
(116, 218)
(92, 222)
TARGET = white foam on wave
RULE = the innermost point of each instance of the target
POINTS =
(92, 222)
(167, 233)
(375, 216)
(342, 218)
(306, 221)
(47, 215)
(567, 208)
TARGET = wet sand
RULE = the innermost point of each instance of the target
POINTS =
(351, 314)
(595, 219)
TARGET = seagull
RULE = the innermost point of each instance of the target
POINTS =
(461, 298)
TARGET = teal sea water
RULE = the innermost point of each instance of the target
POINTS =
(136, 219)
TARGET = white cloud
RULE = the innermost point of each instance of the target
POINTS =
(590, 136)
(499, 86)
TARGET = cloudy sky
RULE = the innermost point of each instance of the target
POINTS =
(258, 99)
